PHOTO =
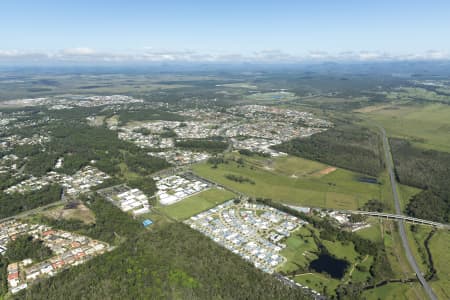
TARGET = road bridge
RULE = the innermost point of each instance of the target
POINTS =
(397, 217)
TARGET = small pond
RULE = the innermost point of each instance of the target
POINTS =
(368, 180)
(330, 265)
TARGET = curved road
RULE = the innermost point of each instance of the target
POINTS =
(401, 224)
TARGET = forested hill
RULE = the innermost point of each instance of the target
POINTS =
(167, 262)
(348, 146)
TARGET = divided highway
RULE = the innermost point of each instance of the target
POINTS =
(401, 223)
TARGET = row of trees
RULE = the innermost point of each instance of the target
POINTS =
(208, 145)
(239, 179)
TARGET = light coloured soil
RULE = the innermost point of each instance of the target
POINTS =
(326, 171)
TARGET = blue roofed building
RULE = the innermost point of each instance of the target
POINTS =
(147, 222)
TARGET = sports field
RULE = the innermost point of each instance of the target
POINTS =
(297, 181)
(196, 204)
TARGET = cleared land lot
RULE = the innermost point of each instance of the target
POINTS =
(79, 212)
(426, 126)
(297, 181)
(197, 203)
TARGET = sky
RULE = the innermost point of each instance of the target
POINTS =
(246, 30)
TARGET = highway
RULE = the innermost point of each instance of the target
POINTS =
(401, 222)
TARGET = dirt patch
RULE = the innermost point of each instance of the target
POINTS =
(369, 109)
(80, 212)
(326, 171)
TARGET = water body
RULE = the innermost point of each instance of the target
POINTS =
(333, 266)
(368, 180)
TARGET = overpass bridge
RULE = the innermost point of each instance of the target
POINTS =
(397, 217)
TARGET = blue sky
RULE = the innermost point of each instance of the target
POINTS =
(196, 30)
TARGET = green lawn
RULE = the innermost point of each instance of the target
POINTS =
(426, 126)
(271, 97)
(342, 251)
(299, 250)
(196, 204)
(416, 242)
(273, 179)
(319, 282)
(362, 276)
(373, 232)
(394, 251)
(439, 247)
(406, 192)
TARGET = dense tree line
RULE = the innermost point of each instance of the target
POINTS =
(208, 145)
(428, 170)
(217, 160)
(41, 163)
(247, 152)
(7, 180)
(26, 246)
(348, 146)
(429, 206)
(168, 133)
(148, 114)
(374, 205)
(13, 204)
(169, 262)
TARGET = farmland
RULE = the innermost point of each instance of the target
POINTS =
(297, 181)
(427, 126)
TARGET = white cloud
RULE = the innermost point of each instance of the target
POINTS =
(81, 51)
(85, 54)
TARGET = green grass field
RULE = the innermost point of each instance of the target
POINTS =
(416, 241)
(196, 204)
(373, 232)
(427, 126)
(342, 251)
(319, 282)
(298, 181)
(299, 250)
(406, 192)
(271, 97)
(439, 247)
(396, 291)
